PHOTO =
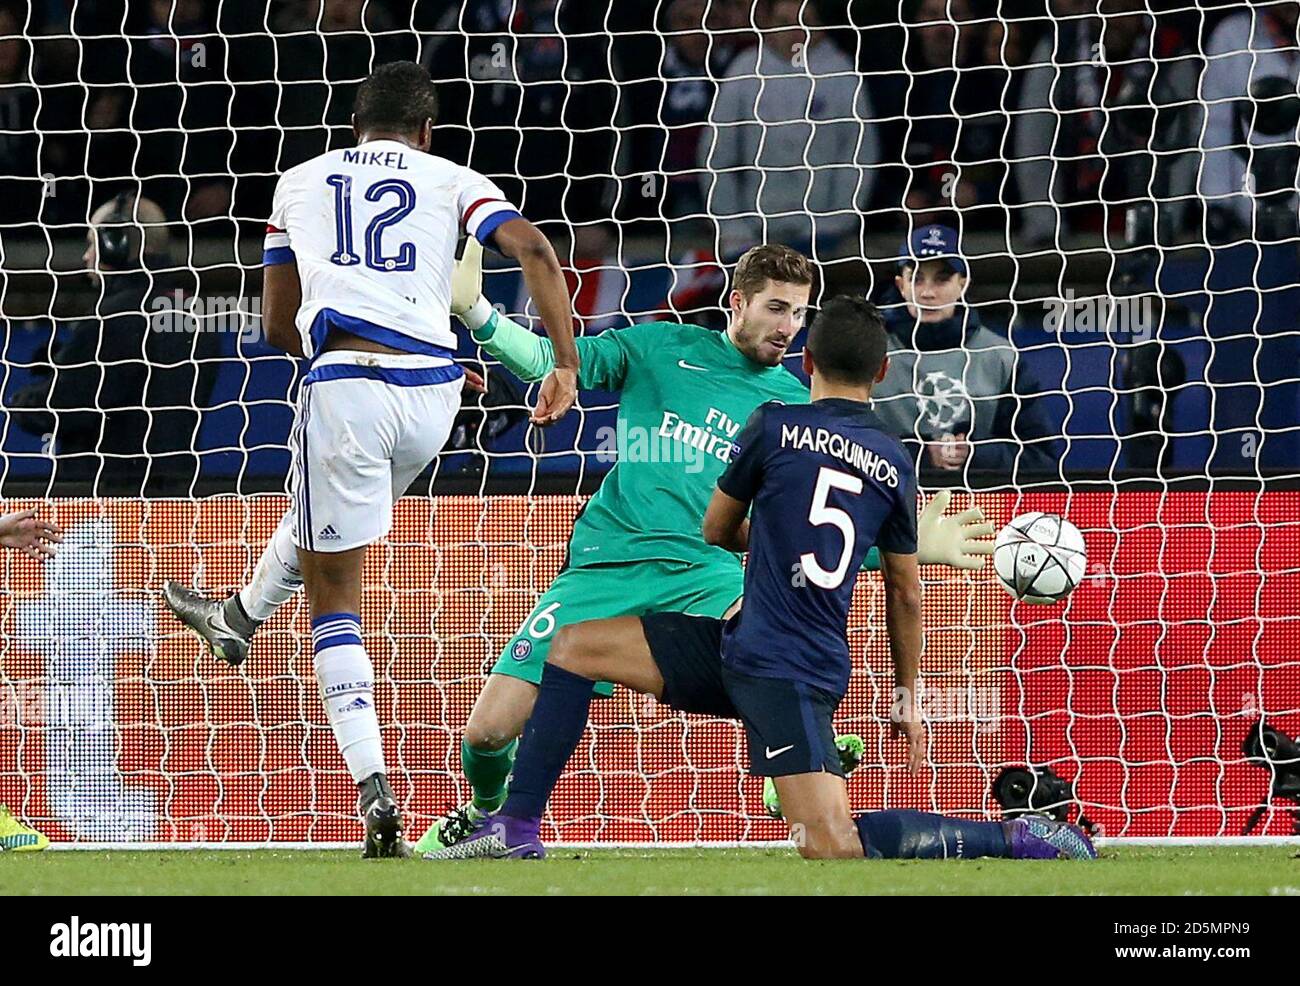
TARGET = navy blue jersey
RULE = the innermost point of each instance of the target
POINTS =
(826, 483)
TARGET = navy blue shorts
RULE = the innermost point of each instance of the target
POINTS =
(787, 723)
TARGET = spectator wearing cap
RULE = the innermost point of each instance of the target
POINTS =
(954, 394)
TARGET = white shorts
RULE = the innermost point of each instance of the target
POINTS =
(367, 425)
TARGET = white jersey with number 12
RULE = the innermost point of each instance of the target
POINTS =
(373, 230)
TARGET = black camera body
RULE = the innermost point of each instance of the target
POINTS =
(1275, 751)
(1036, 791)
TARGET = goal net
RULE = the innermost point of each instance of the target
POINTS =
(1122, 177)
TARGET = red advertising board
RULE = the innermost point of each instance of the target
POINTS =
(1141, 687)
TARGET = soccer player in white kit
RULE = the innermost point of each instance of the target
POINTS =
(357, 278)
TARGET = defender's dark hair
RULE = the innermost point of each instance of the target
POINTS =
(398, 97)
(847, 340)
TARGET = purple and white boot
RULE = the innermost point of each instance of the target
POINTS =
(1038, 837)
(497, 837)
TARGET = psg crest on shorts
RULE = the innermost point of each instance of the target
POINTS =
(521, 650)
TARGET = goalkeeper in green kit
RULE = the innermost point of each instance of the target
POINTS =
(636, 548)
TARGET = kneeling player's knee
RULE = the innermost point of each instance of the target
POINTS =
(827, 838)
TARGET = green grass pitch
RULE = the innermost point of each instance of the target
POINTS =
(1120, 870)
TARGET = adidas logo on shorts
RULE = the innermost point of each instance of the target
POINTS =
(328, 534)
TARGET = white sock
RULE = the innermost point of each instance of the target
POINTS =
(276, 578)
(346, 678)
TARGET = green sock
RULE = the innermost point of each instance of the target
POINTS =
(487, 772)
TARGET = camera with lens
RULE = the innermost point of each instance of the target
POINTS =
(1279, 754)
(1037, 791)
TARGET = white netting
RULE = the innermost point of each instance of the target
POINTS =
(1123, 183)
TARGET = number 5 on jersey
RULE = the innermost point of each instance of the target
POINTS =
(821, 514)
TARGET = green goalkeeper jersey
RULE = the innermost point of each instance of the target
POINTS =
(686, 393)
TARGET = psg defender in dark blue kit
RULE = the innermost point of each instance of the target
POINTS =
(820, 484)
(825, 483)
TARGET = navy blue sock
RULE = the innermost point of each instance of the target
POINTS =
(905, 834)
(550, 736)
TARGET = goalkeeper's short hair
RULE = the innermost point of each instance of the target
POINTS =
(397, 97)
(770, 262)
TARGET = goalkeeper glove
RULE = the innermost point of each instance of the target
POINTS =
(467, 301)
(952, 540)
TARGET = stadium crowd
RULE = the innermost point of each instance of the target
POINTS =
(964, 108)
(1143, 124)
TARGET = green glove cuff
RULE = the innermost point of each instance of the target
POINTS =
(527, 356)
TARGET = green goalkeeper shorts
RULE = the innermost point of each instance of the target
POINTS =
(598, 592)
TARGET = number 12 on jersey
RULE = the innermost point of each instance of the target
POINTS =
(822, 514)
(345, 255)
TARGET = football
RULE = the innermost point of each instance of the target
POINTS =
(1040, 558)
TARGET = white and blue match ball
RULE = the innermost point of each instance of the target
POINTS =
(1040, 558)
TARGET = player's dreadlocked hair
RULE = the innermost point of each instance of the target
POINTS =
(770, 262)
(847, 340)
(398, 97)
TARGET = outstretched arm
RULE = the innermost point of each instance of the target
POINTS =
(530, 357)
(524, 242)
(524, 354)
(23, 531)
